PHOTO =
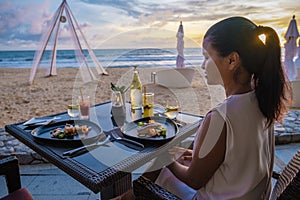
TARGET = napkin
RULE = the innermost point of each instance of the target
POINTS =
(38, 121)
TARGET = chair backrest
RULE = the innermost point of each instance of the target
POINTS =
(9, 167)
(288, 184)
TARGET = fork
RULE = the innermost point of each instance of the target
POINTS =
(116, 136)
(85, 148)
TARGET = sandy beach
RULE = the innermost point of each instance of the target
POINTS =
(21, 101)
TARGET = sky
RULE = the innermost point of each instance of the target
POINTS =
(110, 24)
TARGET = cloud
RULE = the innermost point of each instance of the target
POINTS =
(24, 21)
(130, 7)
(21, 22)
(207, 10)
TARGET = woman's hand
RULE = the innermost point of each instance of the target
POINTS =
(182, 155)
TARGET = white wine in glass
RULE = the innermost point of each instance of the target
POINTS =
(73, 110)
(172, 109)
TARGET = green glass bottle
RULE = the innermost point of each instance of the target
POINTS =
(136, 96)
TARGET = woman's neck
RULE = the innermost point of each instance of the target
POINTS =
(233, 88)
(238, 85)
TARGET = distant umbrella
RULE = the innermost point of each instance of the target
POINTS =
(290, 46)
(180, 47)
(292, 30)
(297, 61)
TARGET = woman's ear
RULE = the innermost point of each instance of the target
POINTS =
(233, 60)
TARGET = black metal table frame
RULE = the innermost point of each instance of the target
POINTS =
(111, 182)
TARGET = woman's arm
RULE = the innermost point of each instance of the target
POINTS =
(209, 153)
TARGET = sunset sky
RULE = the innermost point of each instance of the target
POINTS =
(135, 23)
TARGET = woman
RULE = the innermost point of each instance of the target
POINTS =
(232, 156)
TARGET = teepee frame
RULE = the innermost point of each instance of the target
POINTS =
(54, 27)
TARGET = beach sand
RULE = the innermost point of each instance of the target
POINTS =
(21, 101)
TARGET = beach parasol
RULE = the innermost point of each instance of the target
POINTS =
(180, 47)
(297, 61)
(290, 46)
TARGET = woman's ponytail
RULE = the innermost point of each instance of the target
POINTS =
(269, 80)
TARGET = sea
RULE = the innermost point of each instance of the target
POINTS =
(110, 58)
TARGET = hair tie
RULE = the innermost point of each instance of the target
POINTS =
(259, 30)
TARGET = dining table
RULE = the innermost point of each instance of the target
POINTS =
(107, 169)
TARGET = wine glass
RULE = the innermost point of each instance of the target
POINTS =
(148, 104)
(117, 108)
(73, 110)
(172, 108)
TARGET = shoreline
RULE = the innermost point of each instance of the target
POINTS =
(50, 95)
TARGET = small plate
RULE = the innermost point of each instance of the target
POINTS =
(43, 132)
(130, 129)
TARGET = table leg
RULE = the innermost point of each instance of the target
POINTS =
(118, 188)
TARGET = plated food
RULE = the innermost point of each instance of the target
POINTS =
(69, 131)
(151, 129)
(155, 128)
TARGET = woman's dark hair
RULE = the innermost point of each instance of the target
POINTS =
(261, 59)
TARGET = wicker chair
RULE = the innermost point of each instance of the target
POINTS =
(9, 167)
(287, 185)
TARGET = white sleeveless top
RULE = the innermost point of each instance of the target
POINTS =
(246, 170)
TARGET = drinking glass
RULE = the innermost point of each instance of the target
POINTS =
(84, 105)
(117, 108)
(172, 109)
(73, 110)
(148, 104)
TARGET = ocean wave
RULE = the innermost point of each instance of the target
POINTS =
(149, 57)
